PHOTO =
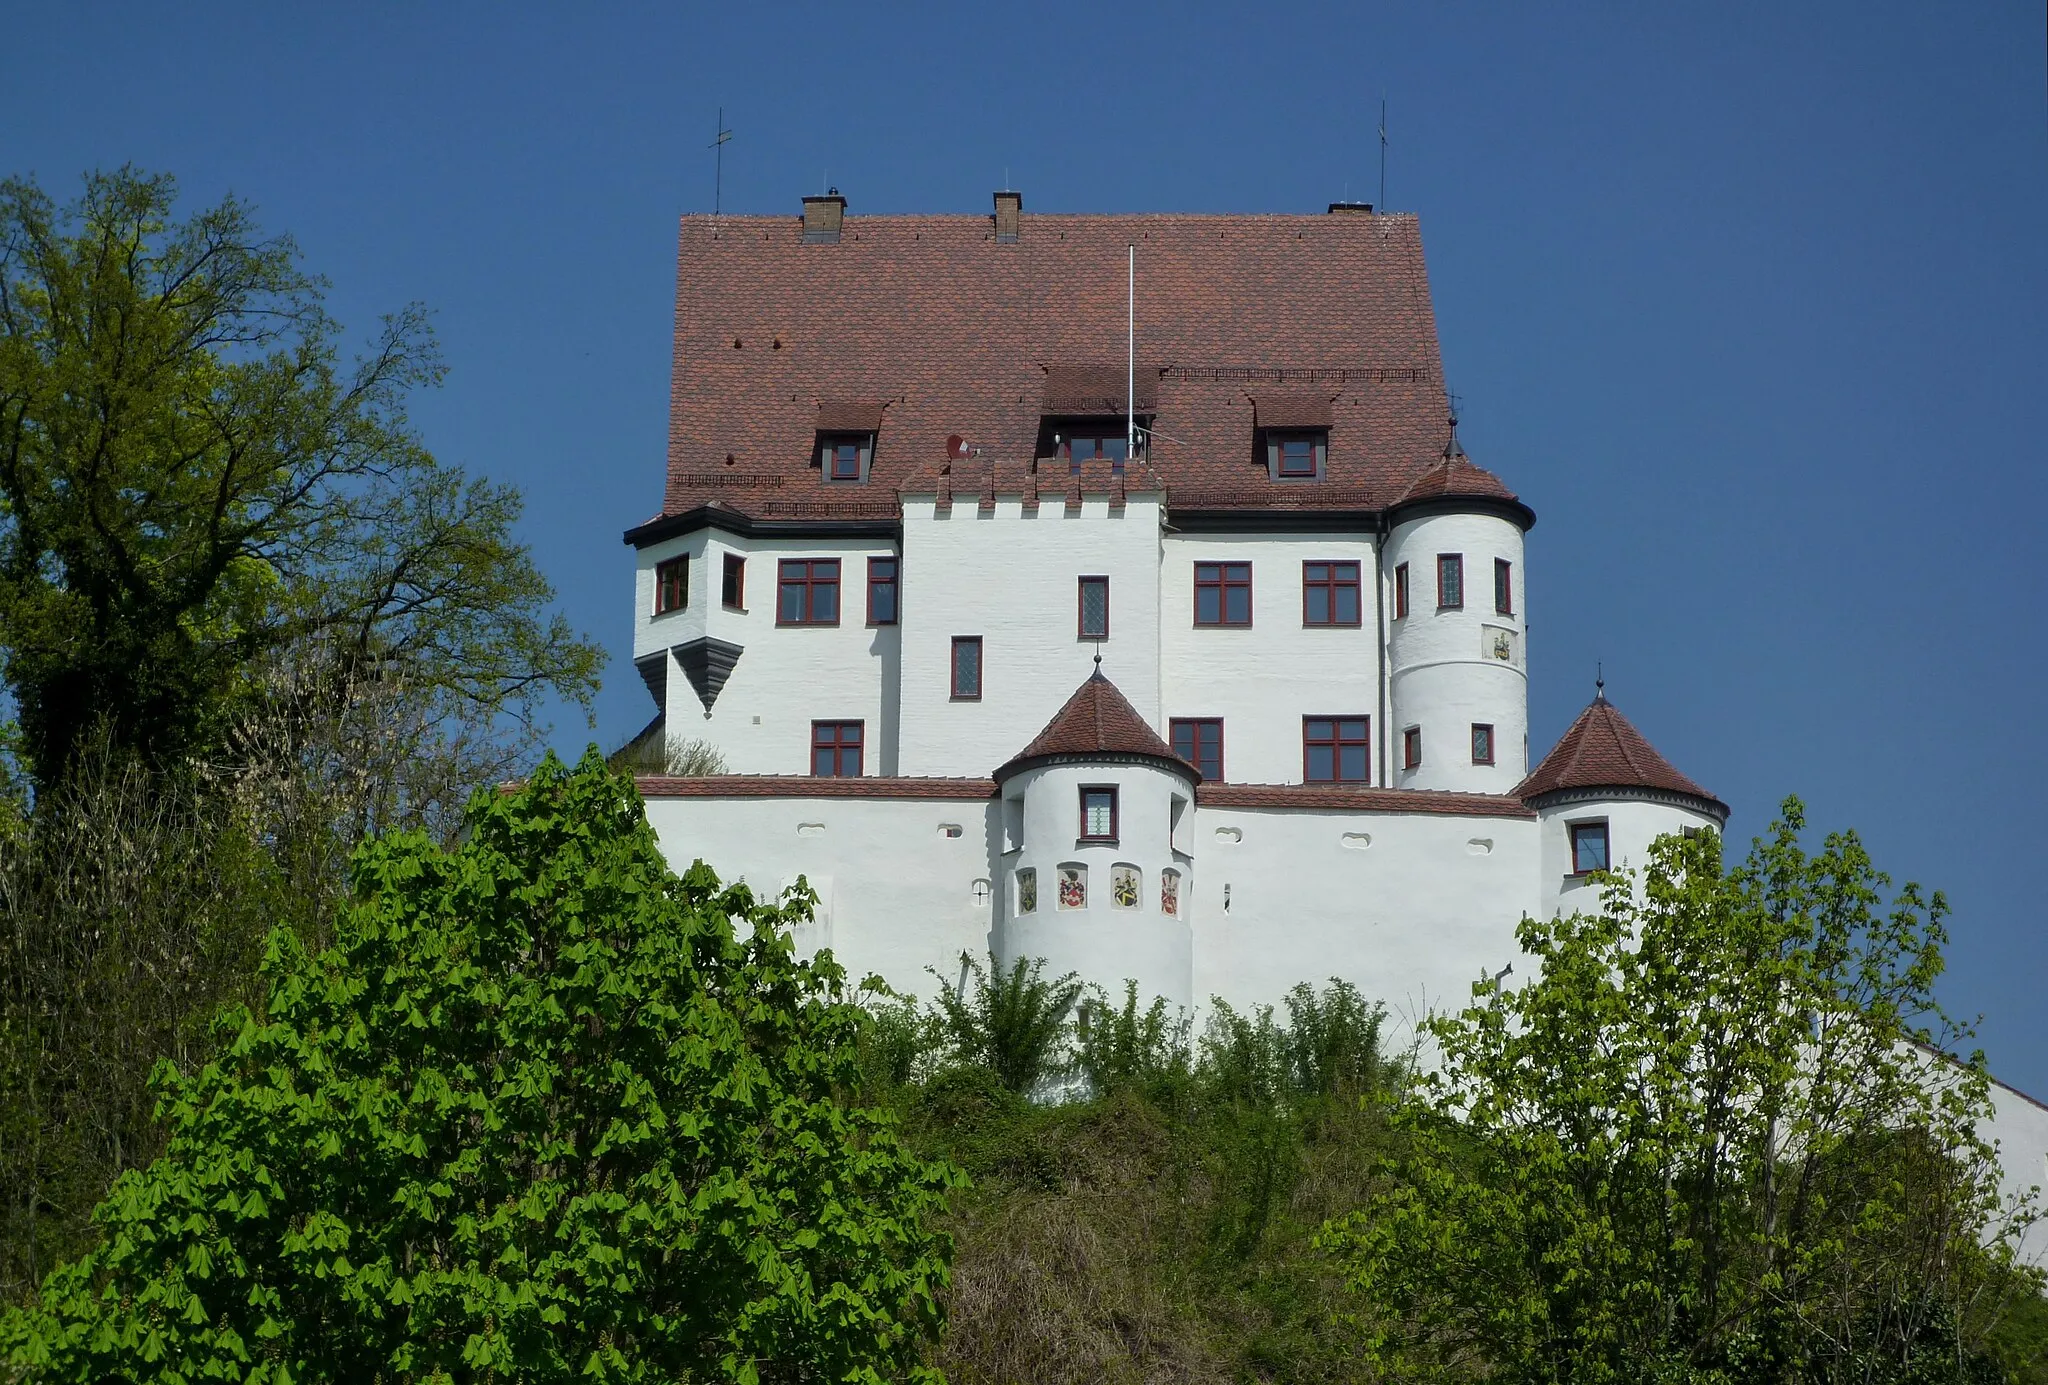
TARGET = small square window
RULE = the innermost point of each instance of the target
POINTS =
(1335, 750)
(1482, 743)
(1199, 741)
(966, 668)
(1503, 586)
(1095, 443)
(733, 590)
(1411, 748)
(1296, 455)
(1450, 581)
(835, 749)
(1329, 594)
(1094, 599)
(1401, 592)
(1223, 593)
(882, 591)
(1589, 847)
(844, 456)
(1098, 813)
(672, 585)
(807, 592)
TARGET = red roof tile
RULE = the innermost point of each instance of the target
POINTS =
(1455, 476)
(1098, 720)
(1342, 798)
(805, 786)
(1602, 750)
(964, 335)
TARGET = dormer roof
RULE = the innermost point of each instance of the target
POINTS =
(1097, 723)
(1603, 750)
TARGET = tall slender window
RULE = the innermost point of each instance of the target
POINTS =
(1329, 594)
(966, 668)
(1401, 592)
(1094, 599)
(1450, 581)
(734, 591)
(881, 591)
(1482, 743)
(807, 592)
(835, 749)
(1199, 741)
(1411, 748)
(1223, 593)
(1503, 586)
(672, 585)
(1334, 750)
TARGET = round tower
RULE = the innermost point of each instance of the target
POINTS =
(1094, 882)
(1601, 796)
(1458, 683)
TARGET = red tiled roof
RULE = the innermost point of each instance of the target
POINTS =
(1341, 798)
(805, 786)
(1455, 476)
(960, 334)
(1098, 720)
(1602, 750)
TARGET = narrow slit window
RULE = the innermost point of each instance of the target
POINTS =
(1401, 592)
(1094, 608)
(1450, 581)
(1482, 743)
(1503, 586)
(1411, 748)
(672, 585)
(733, 588)
(966, 668)
(1336, 750)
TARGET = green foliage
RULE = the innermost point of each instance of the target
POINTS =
(543, 1112)
(1710, 1140)
(202, 509)
(1015, 1022)
(1123, 1046)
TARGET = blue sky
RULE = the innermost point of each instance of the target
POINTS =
(1747, 301)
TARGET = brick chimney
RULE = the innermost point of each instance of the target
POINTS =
(823, 216)
(1009, 213)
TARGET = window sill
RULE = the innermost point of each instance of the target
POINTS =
(1095, 841)
(671, 611)
(807, 624)
(1459, 607)
(728, 606)
(1333, 625)
(963, 697)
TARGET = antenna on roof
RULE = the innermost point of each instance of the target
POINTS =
(1383, 151)
(1131, 355)
(1453, 448)
(718, 164)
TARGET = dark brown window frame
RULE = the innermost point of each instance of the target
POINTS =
(894, 582)
(810, 582)
(1196, 724)
(1318, 441)
(1573, 831)
(733, 583)
(953, 669)
(1223, 584)
(1085, 835)
(1081, 629)
(1332, 585)
(838, 745)
(1503, 587)
(678, 564)
(1401, 592)
(832, 445)
(1487, 727)
(1411, 748)
(1456, 562)
(1337, 743)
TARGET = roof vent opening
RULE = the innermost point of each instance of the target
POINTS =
(1009, 216)
(823, 217)
(1351, 209)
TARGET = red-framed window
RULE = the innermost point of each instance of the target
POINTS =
(966, 668)
(1411, 748)
(1503, 586)
(1482, 743)
(1450, 581)
(733, 589)
(672, 585)
(1589, 847)
(1199, 741)
(1401, 592)
(1092, 617)
(1336, 750)
(807, 592)
(1329, 594)
(1098, 813)
(844, 455)
(1296, 455)
(1223, 593)
(882, 591)
(836, 749)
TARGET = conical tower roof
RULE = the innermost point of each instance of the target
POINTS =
(1097, 722)
(1603, 750)
(1456, 483)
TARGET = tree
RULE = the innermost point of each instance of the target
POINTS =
(1014, 1024)
(1715, 1138)
(199, 503)
(543, 1112)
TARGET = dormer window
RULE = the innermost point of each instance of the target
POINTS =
(845, 456)
(1296, 454)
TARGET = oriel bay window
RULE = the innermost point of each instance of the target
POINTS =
(672, 585)
(835, 749)
(807, 592)
(1223, 593)
(1199, 741)
(1098, 813)
(881, 591)
(1094, 600)
(1329, 594)
(1333, 750)
(966, 668)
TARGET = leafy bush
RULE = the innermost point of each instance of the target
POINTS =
(540, 1113)
(1015, 1024)
(1123, 1046)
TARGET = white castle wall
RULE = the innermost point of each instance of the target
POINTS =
(1632, 824)
(1443, 676)
(2019, 1126)
(1262, 679)
(1010, 575)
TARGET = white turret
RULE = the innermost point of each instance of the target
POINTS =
(1094, 881)
(1456, 644)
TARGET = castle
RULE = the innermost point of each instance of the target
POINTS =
(1113, 590)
